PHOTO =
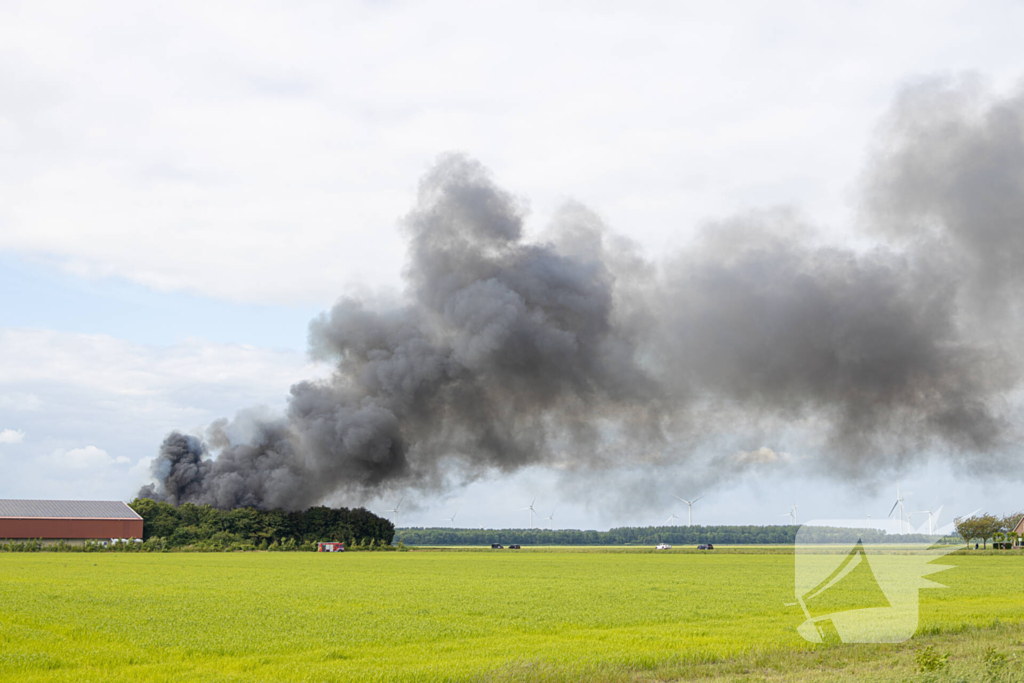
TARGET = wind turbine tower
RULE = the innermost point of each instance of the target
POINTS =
(689, 508)
(530, 508)
(396, 509)
(900, 498)
(933, 515)
(791, 514)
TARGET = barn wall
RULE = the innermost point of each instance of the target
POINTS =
(37, 527)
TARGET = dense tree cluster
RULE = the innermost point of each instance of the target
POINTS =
(676, 535)
(985, 526)
(206, 526)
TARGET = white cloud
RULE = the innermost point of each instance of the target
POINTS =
(19, 402)
(89, 457)
(11, 436)
(269, 160)
(94, 389)
(142, 378)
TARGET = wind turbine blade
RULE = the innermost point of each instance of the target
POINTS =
(893, 508)
(696, 499)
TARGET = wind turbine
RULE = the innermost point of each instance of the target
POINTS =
(674, 516)
(933, 515)
(452, 519)
(396, 509)
(900, 499)
(550, 518)
(689, 506)
(791, 514)
(530, 508)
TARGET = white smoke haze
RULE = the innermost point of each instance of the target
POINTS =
(575, 352)
(761, 456)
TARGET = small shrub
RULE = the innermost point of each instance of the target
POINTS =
(930, 661)
(995, 664)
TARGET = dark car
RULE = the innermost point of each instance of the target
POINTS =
(496, 546)
(514, 547)
(705, 546)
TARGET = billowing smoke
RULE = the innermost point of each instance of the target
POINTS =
(576, 352)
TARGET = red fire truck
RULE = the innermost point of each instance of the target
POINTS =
(330, 547)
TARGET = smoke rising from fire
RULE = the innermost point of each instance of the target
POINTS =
(578, 352)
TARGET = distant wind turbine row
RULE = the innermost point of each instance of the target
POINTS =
(901, 497)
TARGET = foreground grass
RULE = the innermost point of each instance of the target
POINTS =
(441, 616)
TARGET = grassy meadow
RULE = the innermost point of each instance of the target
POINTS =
(451, 616)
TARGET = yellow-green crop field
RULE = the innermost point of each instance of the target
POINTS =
(442, 616)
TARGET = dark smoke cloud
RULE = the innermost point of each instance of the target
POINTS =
(576, 352)
(951, 175)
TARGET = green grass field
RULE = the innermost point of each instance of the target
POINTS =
(442, 616)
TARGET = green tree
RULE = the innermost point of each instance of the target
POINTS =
(989, 526)
(1011, 521)
(967, 528)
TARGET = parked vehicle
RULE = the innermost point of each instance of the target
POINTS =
(514, 547)
(663, 546)
(328, 547)
(496, 546)
(705, 546)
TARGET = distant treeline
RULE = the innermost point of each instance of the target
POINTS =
(207, 528)
(676, 535)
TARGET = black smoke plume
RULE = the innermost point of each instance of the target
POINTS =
(576, 352)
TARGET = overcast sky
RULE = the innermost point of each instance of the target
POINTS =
(185, 185)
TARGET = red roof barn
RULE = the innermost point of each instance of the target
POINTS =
(71, 520)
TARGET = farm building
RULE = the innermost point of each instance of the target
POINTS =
(74, 521)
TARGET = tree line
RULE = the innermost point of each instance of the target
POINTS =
(204, 527)
(674, 535)
(985, 526)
